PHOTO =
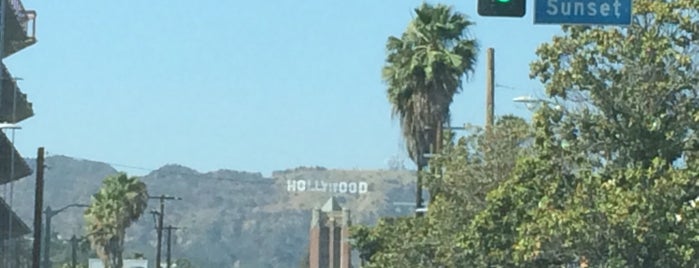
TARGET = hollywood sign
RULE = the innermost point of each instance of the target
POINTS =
(328, 187)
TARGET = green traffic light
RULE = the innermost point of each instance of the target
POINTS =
(504, 8)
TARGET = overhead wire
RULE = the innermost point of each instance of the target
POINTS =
(106, 162)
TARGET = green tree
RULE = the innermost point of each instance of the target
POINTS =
(119, 203)
(424, 70)
(546, 215)
(634, 89)
(603, 184)
(464, 173)
(394, 242)
(467, 169)
(184, 263)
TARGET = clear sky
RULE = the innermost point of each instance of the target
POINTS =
(244, 85)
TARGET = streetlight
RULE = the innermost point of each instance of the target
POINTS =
(47, 229)
(528, 99)
(531, 101)
(74, 240)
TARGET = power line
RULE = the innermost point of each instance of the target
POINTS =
(106, 162)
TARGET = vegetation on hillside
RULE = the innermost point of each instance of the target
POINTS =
(608, 177)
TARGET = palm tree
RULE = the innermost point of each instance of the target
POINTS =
(119, 203)
(424, 70)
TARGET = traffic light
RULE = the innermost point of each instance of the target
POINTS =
(502, 8)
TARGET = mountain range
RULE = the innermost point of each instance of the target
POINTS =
(226, 218)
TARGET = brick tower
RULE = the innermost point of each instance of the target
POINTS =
(329, 237)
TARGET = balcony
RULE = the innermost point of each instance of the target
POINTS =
(11, 111)
(18, 33)
(9, 172)
(19, 228)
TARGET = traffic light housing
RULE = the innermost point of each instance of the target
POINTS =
(502, 8)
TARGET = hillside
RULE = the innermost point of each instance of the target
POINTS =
(227, 216)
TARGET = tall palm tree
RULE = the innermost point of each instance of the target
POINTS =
(424, 70)
(119, 203)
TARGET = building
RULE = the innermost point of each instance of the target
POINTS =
(329, 245)
(128, 263)
(16, 33)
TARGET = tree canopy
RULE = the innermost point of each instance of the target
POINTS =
(608, 179)
(424, 70)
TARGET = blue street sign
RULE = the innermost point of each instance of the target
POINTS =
(597, 12)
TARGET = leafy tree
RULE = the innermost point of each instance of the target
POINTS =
(635, 88)
(184, 263)
(546, 216)
(119, 203)
(601, 185)
(393, 242)
(467, 168)
(464, 173)
(424, 70)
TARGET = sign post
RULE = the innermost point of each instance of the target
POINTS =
(591, 12)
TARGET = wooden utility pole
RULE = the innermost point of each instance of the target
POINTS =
(74, 251)
(159, 226)
(490, 89)
(38, 205)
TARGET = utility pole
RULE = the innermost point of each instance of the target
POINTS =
(490, 89)
(38, 205)
(159, 224)
(47, 236)
(74, 251)
(169, 244)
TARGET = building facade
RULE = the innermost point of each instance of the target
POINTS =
(329, 245)
(16, 33)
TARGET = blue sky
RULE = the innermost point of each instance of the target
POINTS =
(245, 85)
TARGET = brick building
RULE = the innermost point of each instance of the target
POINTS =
(329, 237)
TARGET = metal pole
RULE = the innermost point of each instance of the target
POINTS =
(38, 204)
(47, 237)
(418, 192)
(74, 251)
(490, 89)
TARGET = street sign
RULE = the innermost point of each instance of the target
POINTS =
(592, 12)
